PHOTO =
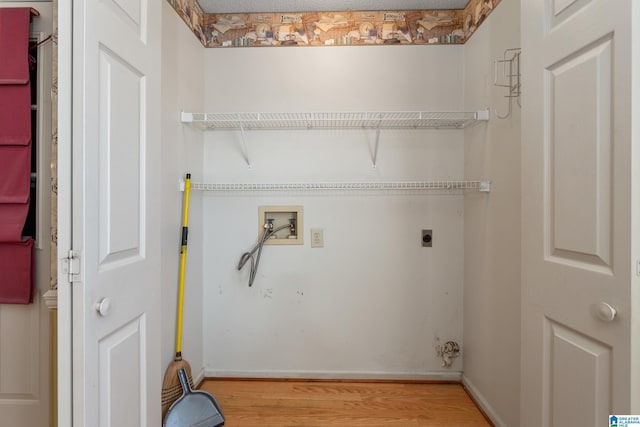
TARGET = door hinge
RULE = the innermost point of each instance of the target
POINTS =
(71, 266)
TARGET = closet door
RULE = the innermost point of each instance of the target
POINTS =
(577, 192)
(115, 219)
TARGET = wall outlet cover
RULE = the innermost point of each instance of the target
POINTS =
(317, 238)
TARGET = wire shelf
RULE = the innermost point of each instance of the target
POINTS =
(407, 186)
(335, 120)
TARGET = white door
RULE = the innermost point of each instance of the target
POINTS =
(576, 160)
(115, 219)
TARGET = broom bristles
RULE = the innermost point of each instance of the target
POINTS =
(171, 387)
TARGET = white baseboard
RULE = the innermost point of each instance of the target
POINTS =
(482, 402)
(197, 379)
(337, 375)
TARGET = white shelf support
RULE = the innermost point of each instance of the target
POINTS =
(244, 147)
(374, 158)
(186, 117)
(483, 115)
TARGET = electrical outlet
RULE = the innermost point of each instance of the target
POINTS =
(317, 238)
(427, 238)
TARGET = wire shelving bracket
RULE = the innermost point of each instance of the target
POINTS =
(510, 78)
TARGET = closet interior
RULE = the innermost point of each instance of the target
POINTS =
(378, 145)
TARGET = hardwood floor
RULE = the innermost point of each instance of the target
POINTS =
(265, 403)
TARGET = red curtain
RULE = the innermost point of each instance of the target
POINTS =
(16, 251)
(14, 44)
(16, 272)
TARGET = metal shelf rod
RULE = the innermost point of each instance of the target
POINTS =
(481, 186)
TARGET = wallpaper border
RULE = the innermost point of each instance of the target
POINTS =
(337, 28)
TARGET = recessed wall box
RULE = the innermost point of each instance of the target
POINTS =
(282, 216)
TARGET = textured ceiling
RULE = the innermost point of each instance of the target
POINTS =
(257, 6)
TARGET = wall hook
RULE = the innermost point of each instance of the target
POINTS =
(510, 78)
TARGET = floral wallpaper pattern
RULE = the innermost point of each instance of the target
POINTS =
(400, 27)
(53, 281)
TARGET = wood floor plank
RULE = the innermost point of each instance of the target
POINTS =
(343, 404)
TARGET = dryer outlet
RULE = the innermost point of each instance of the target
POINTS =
(427, 238)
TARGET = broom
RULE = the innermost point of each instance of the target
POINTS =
(171, 387)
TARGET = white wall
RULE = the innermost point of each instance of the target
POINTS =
(492, 227)
(182, 80)
(372, 302)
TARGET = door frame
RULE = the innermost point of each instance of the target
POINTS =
(65, 308)
(635, 206)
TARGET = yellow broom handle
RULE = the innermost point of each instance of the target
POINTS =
(183, 261)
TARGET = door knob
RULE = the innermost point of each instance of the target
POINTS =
(605, 312)
(103, 306)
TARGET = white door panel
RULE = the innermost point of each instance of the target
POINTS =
(578, 366)
(576, 211)
(561, 10)
(122, 355)
(116, 155)
(121, 98)
(579, 156)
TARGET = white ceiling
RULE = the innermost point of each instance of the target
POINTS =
(257, 6)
